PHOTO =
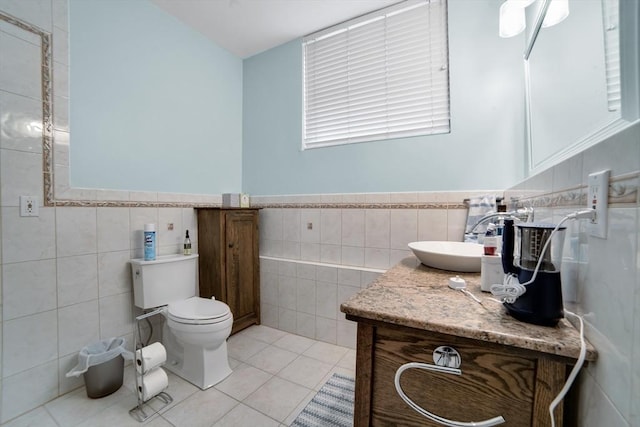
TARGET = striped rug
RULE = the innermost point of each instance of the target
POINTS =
(331, 406)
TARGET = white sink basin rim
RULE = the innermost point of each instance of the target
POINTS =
(453, 256)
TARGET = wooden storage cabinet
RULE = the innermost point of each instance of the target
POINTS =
(229, 261)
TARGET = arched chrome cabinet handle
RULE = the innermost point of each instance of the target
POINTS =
(433, 417)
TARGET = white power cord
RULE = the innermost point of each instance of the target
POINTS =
(510, 290)
(459, 284)
(430, 415)
(574, 371)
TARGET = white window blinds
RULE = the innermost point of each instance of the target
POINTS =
(612, 53)
(383, 75)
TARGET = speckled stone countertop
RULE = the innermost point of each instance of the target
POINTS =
(414, 295)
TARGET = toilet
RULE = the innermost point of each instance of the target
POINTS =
(196, 329)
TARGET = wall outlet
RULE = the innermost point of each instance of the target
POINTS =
(29, 206)
(598, 199)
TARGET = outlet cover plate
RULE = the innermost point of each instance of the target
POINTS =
(598, 199)
(29, 206)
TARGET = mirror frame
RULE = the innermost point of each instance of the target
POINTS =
(537, 26)
(629, 13)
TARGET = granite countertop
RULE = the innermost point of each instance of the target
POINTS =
(414, 295)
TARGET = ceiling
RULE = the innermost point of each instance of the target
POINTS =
(248, 27)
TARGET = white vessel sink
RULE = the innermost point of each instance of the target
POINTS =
(452, 256)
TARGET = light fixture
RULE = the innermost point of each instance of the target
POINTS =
(512, 20)
(557, 12)
(512, 16)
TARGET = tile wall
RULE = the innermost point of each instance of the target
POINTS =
(304, 298)
(358, 230)
(65, 279)
(318, 250)
(601, 277)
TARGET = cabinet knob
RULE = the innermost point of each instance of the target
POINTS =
(230, 245)
(447, 356)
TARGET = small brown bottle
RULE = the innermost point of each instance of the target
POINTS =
(186, 248)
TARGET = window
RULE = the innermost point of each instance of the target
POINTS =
(612, 53)
(380, 76)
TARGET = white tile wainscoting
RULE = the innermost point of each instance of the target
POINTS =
(369, 230)
(304, 298)
(318, 250)
(66, 282)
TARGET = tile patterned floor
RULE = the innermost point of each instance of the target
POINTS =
(275, 374)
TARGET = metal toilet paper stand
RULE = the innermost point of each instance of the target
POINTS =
(138, 411)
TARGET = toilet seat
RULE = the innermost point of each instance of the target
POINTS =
(198, 311)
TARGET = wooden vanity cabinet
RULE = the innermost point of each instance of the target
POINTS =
(229, 261)
(496, 380)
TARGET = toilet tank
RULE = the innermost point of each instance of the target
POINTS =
(166, 279)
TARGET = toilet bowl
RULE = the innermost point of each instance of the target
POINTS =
(196, 340)
(196, 329)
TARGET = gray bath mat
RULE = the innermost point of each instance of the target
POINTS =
(331, 406)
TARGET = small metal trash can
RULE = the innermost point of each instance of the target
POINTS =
(102, 365)
(106, 378)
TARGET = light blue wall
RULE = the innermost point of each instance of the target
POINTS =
(483, 151)
(155, 106)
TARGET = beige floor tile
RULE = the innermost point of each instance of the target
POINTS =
(39, 417)
(277, 398)
(294, 414)
(201, 409)
(294, 343)
(243, 381)
(348, 360)
(305, 371)
(326, 352)
(242, 347)
(244, 416)
(73, 408)
(157, 422)
(264, 333)
(234, 363)
(118, 415)
(272, 359)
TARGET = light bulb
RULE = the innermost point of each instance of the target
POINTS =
(512, 20)
(557, 12)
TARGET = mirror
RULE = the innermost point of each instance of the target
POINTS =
(573, 80)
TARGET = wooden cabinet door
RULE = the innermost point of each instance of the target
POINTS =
(242, 267)
(211, 244)
(229, 261)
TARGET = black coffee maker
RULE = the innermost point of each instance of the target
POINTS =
(522, 248)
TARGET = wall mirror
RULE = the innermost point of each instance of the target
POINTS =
(573, 78)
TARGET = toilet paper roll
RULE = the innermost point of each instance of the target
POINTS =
(154, 355)
(152, 383)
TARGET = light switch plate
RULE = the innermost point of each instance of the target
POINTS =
(598, 199)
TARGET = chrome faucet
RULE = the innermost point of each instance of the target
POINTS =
(522, 214)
